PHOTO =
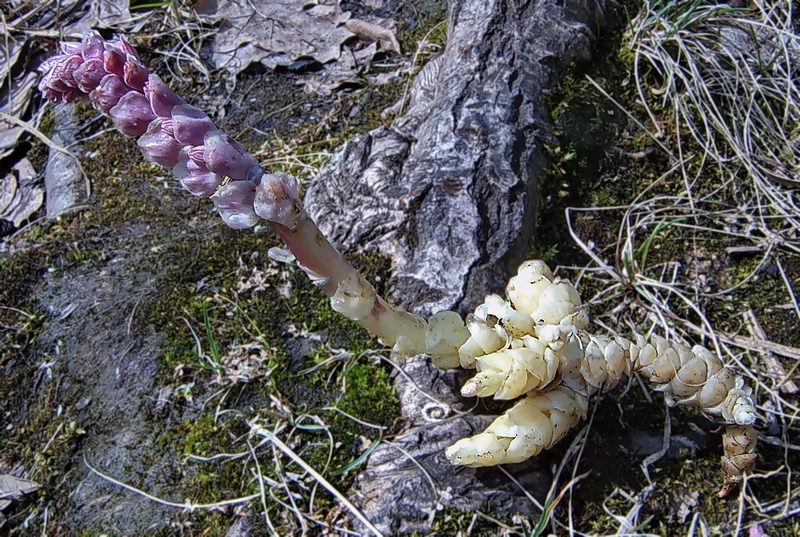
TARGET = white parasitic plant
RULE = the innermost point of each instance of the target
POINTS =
(534, 346)
(558, 356)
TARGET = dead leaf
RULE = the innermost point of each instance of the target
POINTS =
(341, 73)
(13, 488)
(374, 32)
(687, 506)
(15, 102)
(111, 12)
(273, 33)
(20, 194)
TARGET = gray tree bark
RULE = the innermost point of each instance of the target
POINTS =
(450, 190)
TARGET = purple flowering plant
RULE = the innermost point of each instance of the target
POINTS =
(208, 163)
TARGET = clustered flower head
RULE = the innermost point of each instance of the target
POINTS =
(536, 344)
(170, 131)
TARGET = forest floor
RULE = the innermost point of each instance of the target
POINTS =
(144, 292)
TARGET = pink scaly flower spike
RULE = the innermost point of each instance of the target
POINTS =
(208, 163)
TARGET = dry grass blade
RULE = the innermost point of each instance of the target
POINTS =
(289, 452)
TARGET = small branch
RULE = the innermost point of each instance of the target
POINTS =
(784, 383)
(187, 506)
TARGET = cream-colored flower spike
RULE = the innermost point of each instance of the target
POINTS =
(507, 321)
(483, 339)
(509, 359)
(535, 423)
(507, 374)
(536, 292)
(692, 377)
(444, 335)
(556, 360)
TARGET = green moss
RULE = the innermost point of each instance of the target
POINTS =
(209, 482)
(38, 152)
(682, 481)
(454, 522)
(48, 122)
(428, 22)
(761, 289)
(370, 396)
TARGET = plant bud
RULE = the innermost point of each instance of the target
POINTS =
(190, 124)
(162, 98)
(89, 75)
(132, 114)
(444, 335)
(114, 62)
(108, 93)
(524, 289)
(196, 179)
(135, 74)
(158, 146)
(234, 202)
(65, 70)
(278, 199)
(354, 298)
(223, 156)
(92, 46)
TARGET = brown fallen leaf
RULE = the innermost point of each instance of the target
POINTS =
(13, 488)
(15, 102)
(273, 33)
(278, 33)
(374, 32)
(20, 194)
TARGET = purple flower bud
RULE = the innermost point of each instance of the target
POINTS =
(132, 114)
(109, 92)
(196, 167)
(64, 69)
(166, 126)
(52, 82)
(196, 156)
(89, 75)
(50, 94)
(158, 146)
(196, 179)
(48, 65)
(278, 199)
(234, 202)
(93, 46)
(114, 62)
(71, 48)
(124, 47)
(161, 97)
(226, 157)
(135, 73)
(72, 95)
(199, 180)
(202, 184)
(190, 124)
